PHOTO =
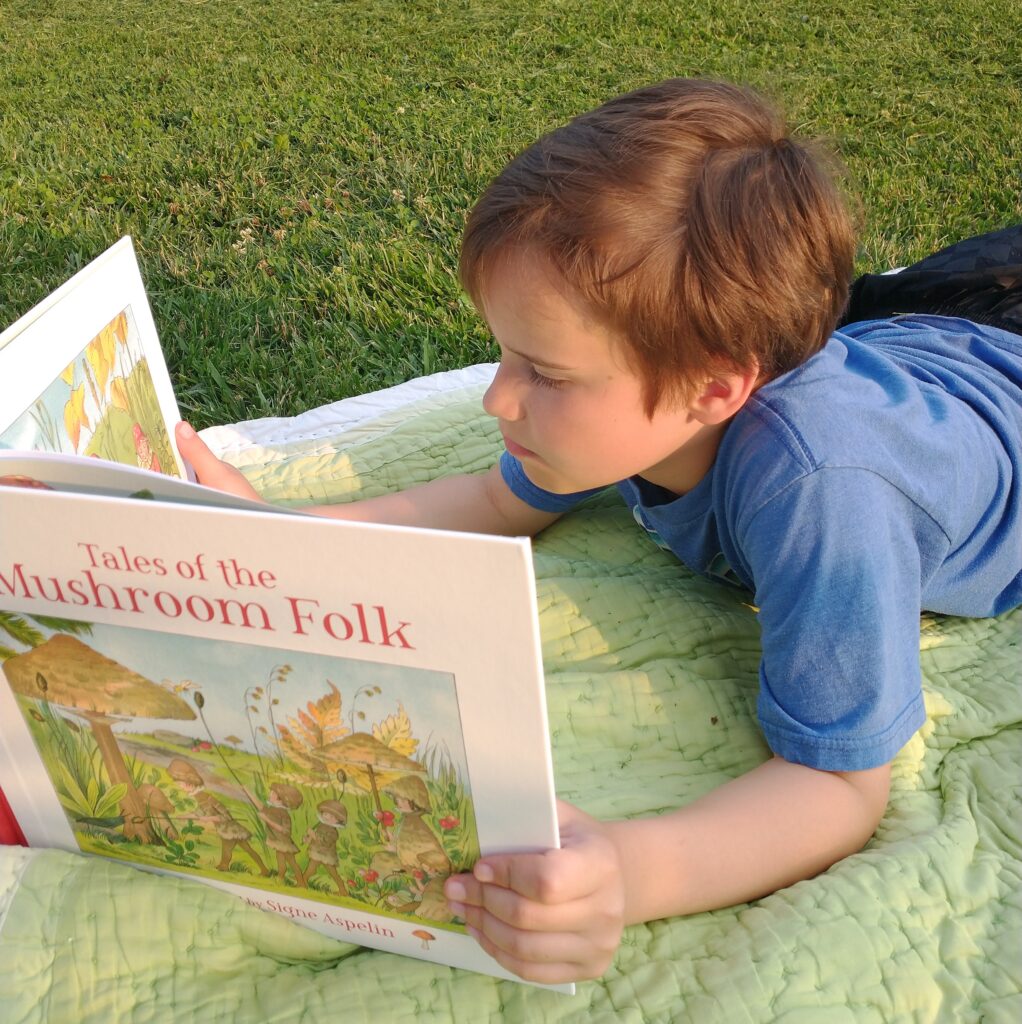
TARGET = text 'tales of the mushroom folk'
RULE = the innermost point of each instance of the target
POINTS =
(358, 622)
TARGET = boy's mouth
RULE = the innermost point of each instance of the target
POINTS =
(516, 449)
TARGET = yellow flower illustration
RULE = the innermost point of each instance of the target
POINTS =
(120, 328)
(74, 415)
(100, 353)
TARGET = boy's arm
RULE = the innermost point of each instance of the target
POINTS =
(475, 503)
(472, 502)
(767, 829)
(558, 915)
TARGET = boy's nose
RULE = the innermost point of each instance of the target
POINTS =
(501, 400)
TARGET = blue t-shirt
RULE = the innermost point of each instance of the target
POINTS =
(881, 477)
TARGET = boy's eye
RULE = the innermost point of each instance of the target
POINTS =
(542, 380)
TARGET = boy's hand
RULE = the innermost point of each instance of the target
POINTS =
(548, 917)
(209, 470)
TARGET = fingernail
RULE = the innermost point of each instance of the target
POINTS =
(472, 931)
(483, 872)
(185, 430)
(455, 891)
(457, 909)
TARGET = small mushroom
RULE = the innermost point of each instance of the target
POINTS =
(332, 812)
(158, 807)
(184, 774)
(425, 936)
(411, 789)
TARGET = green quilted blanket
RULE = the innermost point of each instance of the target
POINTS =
(651, 679)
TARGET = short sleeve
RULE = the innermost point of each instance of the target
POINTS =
(836, 560)
(525, 490)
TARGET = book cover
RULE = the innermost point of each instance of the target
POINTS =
(325, 718)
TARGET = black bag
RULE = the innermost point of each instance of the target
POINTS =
(979, 278)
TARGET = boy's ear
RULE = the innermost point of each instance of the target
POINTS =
(722, 395)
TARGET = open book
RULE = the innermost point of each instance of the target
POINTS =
(325, 718)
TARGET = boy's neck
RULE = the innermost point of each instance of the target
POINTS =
(681, 471)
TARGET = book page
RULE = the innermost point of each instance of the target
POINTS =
(83, 372)
(58, 472)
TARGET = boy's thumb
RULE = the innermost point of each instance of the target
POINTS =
(192, 448)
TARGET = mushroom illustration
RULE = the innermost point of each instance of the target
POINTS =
(425, 936)
(101, 691)
(185, 775)
(157, 806)
(366, 751)
(412, 790)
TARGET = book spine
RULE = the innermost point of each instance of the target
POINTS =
(10, 832)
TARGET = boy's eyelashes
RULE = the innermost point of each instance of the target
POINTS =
(535, 373)
(543, 380)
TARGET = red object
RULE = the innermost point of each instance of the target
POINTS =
(10, 833)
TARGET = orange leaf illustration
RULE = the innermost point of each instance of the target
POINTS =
(100, 353)
(74, 415)
(313, 727)
(396, 732)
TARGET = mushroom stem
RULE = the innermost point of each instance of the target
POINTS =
(376, 792)
(136, 820)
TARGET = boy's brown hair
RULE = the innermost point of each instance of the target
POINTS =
(689, 221)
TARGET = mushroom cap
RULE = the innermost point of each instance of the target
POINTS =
(181, 770)
(421, 933)
(208, 802)
(333, 809)
(79, 677)
(410, 787)
(289, 796)
(363, 748)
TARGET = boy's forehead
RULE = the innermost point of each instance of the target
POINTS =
(536, 314)
(526, 277)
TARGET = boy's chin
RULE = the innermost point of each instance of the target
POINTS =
(550, 480)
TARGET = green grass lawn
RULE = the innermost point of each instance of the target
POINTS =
(296, 175)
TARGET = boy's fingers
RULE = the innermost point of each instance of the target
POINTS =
(545, 959)
(188, 441)
(533, 947)
(540, 973)
(194, 450)
(515, 911)
(552, 877)
(463, 889)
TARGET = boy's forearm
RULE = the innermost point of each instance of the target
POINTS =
(474, 503)
(770, 828)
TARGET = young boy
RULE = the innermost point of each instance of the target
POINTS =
(663, 276)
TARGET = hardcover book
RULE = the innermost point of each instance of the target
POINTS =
(325, 718)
